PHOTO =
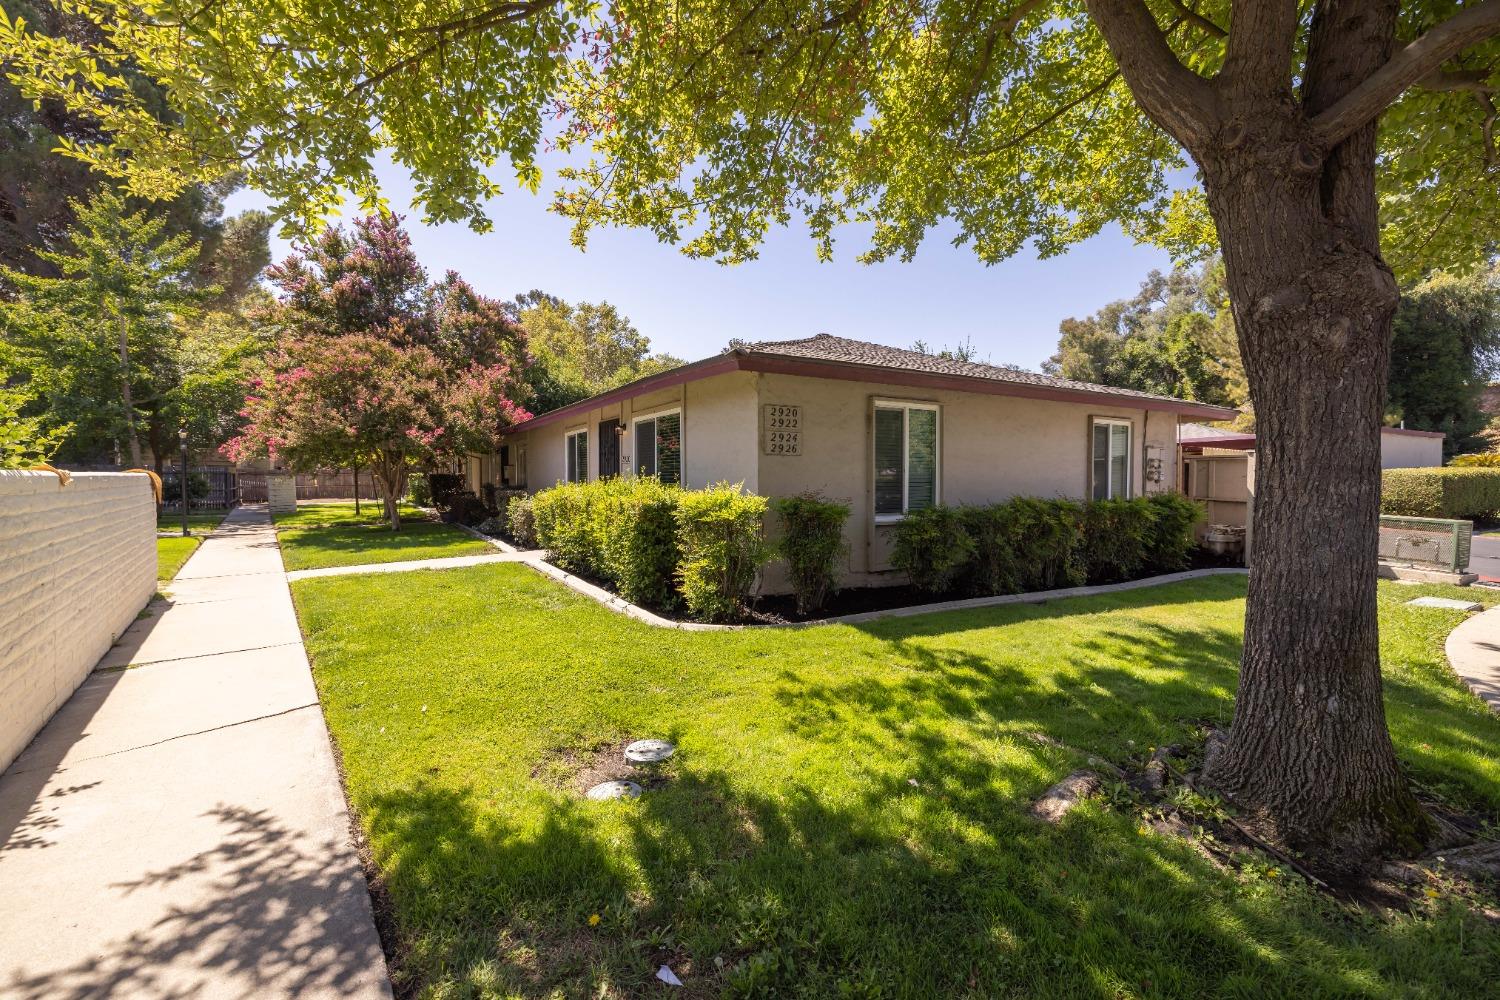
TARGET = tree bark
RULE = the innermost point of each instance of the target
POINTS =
(390, 470)
(1309, 752)
(1291, 186)
(131, 437)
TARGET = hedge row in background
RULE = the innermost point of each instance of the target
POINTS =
(657, 544)
(1028, 544)
(1463, 493)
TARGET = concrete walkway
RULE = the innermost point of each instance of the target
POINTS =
(1474, 651)
(178, 829)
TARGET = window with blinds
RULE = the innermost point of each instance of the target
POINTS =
(1109, 462)
(658, 446)
(906, 458)
(577, 445)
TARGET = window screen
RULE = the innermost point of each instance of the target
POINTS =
(578, 457)
(921, 459)
(906, 458)
(890, 461)
(1110, 460)
(669, 447)
(645, 448)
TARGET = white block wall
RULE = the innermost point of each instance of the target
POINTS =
(77, 564)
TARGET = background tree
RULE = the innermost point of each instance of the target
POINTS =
(362, 399)
(25, 440)
(1023, 121)
(103, 333)
(444, 381)
(584, 349)
(1443, 354)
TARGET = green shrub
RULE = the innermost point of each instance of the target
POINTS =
(994, 566)
(721, 534)
(1114, 535)
(1171, 539)
(640, 550)
(418, 491)
(932, 548)
(1048, 534)
(1029, 544)
(1452, 492)
(1481, 460)
(441, 485)
(572, 524)
(812, 542)
(520, 521)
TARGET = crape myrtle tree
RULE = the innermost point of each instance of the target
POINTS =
(358, 397)
(380, 368)
(1333, 142)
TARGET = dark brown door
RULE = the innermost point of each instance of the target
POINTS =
(609, 448)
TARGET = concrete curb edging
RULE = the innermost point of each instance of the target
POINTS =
(1473, 651)
(618, 604)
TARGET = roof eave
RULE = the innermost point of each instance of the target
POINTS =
(854, 371)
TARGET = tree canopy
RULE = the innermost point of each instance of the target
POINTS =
(378, 366)
(1175, 337)
(581, 350)
(709, 122)
(1443, 353)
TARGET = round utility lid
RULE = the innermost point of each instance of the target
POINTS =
(614, 790)
(649, 751)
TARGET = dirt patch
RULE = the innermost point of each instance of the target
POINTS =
(1162, 788)
(577, 769)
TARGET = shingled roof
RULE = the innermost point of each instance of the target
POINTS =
(826, 347)
(827, 356)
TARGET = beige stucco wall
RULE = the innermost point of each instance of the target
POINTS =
(77, 564)
(718, 433)
(1407, 451)
(992, 448)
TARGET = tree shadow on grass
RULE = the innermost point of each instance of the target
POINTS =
(900, 891)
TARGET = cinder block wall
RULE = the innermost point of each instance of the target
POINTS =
(77, 564)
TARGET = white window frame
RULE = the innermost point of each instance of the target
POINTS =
(906, 405)
(568, 450)
(635, 459)
(1129, 426)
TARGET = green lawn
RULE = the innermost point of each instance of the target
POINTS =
(319, 535)
(171, 553)
(197, 523)
(846, 815)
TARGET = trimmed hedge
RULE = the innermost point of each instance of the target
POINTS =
(1462, 493)
(1029, 544)
(721, 531)
(812, 542)
(657, 544)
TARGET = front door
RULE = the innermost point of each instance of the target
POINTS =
(609, 448)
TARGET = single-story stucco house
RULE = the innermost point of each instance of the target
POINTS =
(884, 429)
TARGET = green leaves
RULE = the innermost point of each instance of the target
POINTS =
(708, 122)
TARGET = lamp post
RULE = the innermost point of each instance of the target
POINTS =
(182, 477)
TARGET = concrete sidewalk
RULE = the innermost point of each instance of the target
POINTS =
(1474, 651)
(178, 829)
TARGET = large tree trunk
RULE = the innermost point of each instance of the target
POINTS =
(1309, 752)
(131, 437)
(389, 470)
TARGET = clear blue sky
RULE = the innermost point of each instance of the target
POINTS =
(691, 308)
